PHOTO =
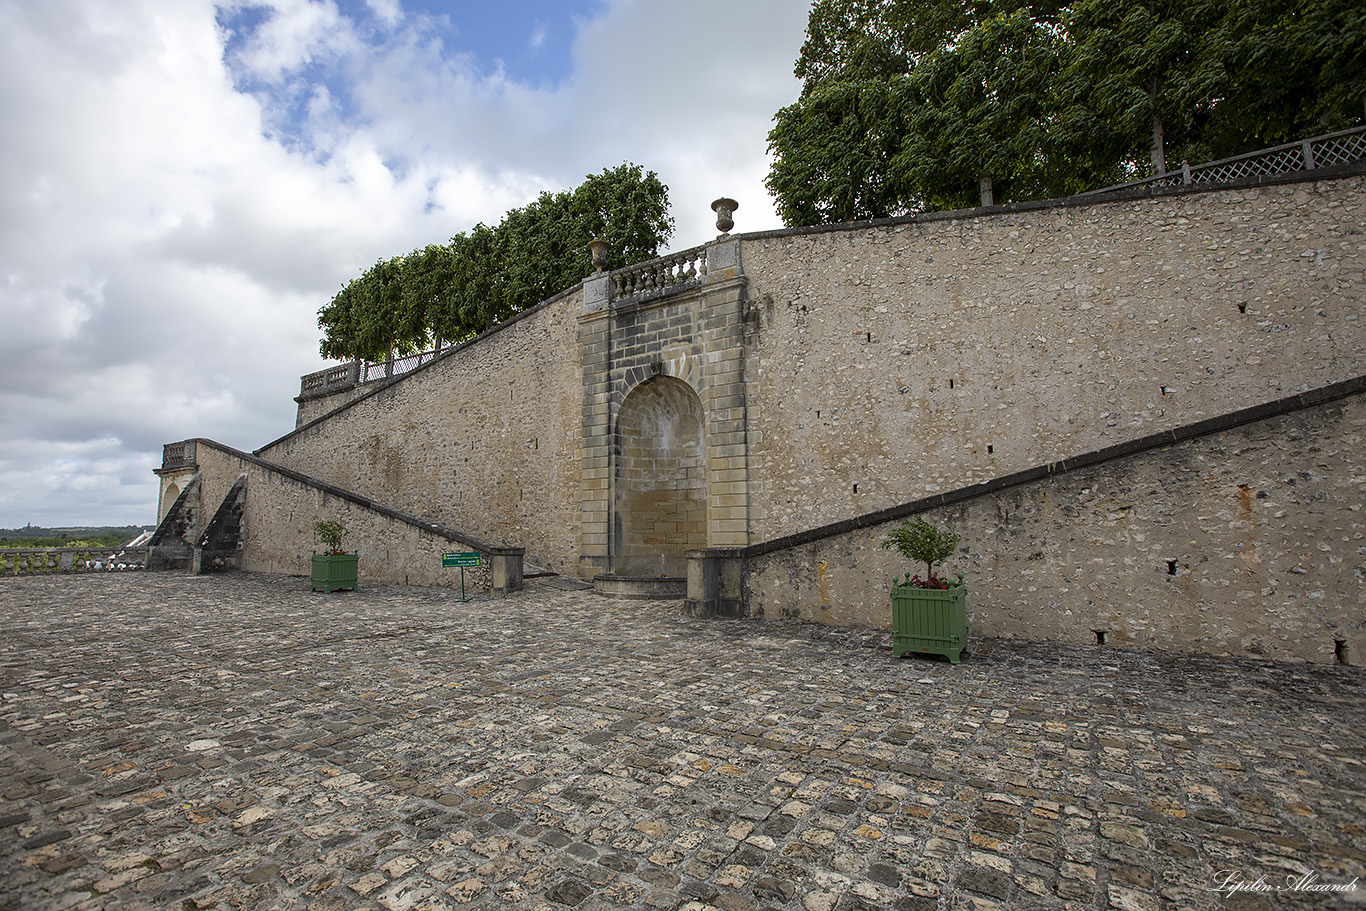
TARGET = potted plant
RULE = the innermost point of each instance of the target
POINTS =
(334, 568)
(928, 615)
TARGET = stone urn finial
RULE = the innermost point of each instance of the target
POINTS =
(597, 250)
(723, 208)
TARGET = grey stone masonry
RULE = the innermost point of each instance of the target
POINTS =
(172, 545)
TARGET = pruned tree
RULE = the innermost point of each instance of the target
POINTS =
(453, 291)
(1151, 71)
(978, 118)
(833, 154)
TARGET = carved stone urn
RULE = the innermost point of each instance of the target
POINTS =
(724, 208)
(597, 250)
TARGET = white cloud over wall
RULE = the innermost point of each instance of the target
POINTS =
(176, 202)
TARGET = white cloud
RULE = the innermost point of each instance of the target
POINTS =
(166, 236)
(388, 11)
(539, 31)
(297, 33)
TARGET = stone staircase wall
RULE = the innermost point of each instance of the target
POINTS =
(1240, 536)
(484, 439)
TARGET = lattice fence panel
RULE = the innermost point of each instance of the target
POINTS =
(1339, 150)
(1276, 163)
(1325, 151)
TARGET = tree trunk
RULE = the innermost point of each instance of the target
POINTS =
(1159, 155)
(984, 181)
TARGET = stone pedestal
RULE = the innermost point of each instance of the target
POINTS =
(715, 583)
(505, 569)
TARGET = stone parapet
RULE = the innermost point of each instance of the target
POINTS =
(1230, 536)
(280, 507)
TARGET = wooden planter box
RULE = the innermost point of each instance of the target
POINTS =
(334, 571)
(930, 621)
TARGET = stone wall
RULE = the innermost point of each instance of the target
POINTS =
(1250, 541)
(898, 360)
(484, 439)
(660, 479)
(279, 512)
(313, 407)
(772, 383)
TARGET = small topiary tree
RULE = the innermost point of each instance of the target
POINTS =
(330, 534)
(922, 542)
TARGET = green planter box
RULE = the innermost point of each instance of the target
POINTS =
(334, 571)
(930, 621)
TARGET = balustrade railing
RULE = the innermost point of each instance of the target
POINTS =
(662, 272)
(178, 455)
(353, 373)
(1306, 155)
(338, 377)
(641, 278)
(44, 560)
(370, 372)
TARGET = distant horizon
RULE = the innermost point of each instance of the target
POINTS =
(102, 525)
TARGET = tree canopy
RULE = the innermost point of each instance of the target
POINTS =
(915, 105)
(455, 290)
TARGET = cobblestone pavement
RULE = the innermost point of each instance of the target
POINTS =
(181, 742)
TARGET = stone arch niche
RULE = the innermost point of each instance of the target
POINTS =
(659, 479)
(664, 423)
(168, 499)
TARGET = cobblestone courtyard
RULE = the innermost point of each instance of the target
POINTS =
(182, 742)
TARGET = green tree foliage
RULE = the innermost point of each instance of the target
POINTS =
(82, 538)
(922, 542)
(453, 291)
(834, 153)
(1297, 68)
(370, 317)
(912, 106)
(978, 117)
(1152, 73)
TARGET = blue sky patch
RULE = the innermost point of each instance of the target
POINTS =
(532, 38)
(530, 41)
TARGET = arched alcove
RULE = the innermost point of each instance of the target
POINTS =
(660, 501)
(168, 499)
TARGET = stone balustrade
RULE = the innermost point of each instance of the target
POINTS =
(178, 455)
(333, 379)
(39, 560)
(358, 373)
(663, 272)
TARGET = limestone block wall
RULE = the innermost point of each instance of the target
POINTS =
(313, 407)
(660, 479)
(898, 360)
(278, 517)
(688, 340)
(484, 439)
(1250, 541)
(170, 485)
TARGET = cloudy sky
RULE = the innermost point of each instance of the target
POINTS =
(183, 183)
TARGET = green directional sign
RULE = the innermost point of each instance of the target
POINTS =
(467, 559)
